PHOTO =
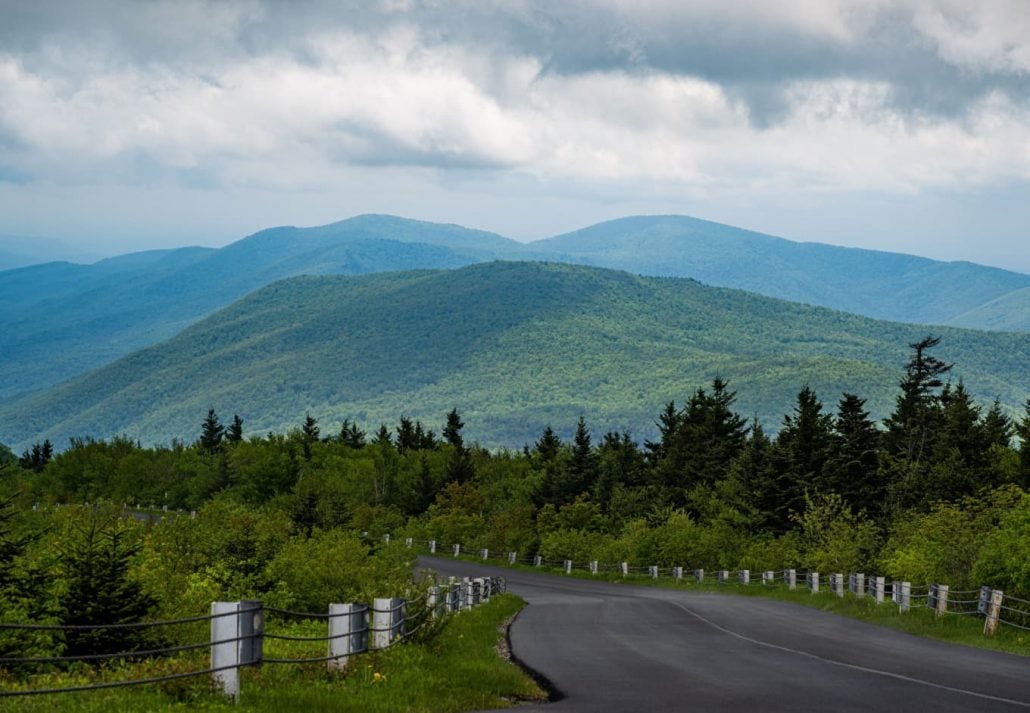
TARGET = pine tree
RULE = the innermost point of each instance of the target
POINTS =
(802, 449)
(620, 465)
(407, 438)
(310, 428)
(916, 417)
(998, 428)
(452, 431)
(211, 433)
(351, 436)
(548, 446)
(234, 433)
(853, 469)
(582, 471)
(668, 424)
(99, 591)
(749, 488)
(383, 436)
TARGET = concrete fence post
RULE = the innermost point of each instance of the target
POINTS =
(723, 576)
(387, 621)
(457, 549)
(791, 575)
(877, 584)
(432, 547)
(484, 589)
(538, 560)
(905, 597)
(699, 576)
(840, 583)
(744, 576)
(386, 539)
(851, 583)
(652, 572)
(931, 597)
(593, 566)
(433, 601)
(568, 566)
(407, 542)
(814, 584)
(860, 585)
(484, 554)
(625, 569)
(677, 572)
(942, 599)
(993, 612)
(512, 557)
(768, 577)
(454, 597)
(983, 602)
(896, 591)
(237, 640)
(348, 633)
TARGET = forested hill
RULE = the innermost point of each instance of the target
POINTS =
(875, 284)
(58, 320)
(514, 345)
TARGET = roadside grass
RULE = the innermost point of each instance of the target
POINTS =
(454, 667)
(954, 628)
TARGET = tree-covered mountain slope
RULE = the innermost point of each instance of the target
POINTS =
(514, 345)
(1010, 312)
(867, 282)
(58, 320)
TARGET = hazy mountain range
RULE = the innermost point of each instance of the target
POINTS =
(61, 320)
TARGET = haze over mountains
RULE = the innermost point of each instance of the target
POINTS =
(60, 320)
(514, 345)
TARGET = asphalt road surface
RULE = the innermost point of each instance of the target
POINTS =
(606, 647)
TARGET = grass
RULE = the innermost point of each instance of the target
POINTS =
(965, 630)
(455, 667)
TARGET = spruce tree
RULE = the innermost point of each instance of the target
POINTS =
(351, 436)
(582, 471)
(998, 428)
(802, 449)
(211, 434)
(548, 446)
(853, 469)
(452, 431)
(407, 438)
(1023, 433)
(234, 433)
(911, 427)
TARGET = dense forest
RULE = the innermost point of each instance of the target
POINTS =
(938, 491)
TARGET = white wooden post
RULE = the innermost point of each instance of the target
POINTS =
(432, 547)
(538, 560)
(407, 542)
(791, 575)
(386, 538)
(593, 566)
(568, 566)
(768, 577)
(484, 589)
(905, 602)
(348, 633)
(840, 583)
(860, 585)
(942, 599)
(699, 576)
(236, 640)
(896, 591)
(512, 557)
(677, 572)
(454, 597)
(993, 612)
(723, 576)
(457, 549)
(652, 571)
(813, 582)
(485, 554)
(625, 569)
(387, 621)
(745, 577)
(878, 585)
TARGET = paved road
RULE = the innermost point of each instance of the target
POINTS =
(609, 647)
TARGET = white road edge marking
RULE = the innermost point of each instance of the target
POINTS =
(857, 667)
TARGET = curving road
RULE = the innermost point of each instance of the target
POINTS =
(607, 647)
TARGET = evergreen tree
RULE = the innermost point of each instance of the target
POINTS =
(426, 488)
(234, 433)
(916, 416)
(1023, 432)
(620, 465)
(548, 446)
(99, 591)
(310, 434)
(37, 458)
(582, 471)
(407, 438)
(802, 449)
(352, 436)
(452, 431)
(853, 469)
(998, 428)
(22, 587)
(668, 424)
(211, 433)
(750, 487)
(382, 436)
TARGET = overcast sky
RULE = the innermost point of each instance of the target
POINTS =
(892, 125)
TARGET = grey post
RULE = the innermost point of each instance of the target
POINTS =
(538, 560)
(433, 601)
(699, 576)
(568, 566)
(485, 554)
(387, 621)
(483, 585)
(744, 576)
(386, 538)
(767, 577)
(860, 585)
(942, 599)
(723, 576)
(993, 612)
(896, 591)
(814, 582)
(652, 571)
(408, 541)
(984, 601)
(840, 583)
(877, 583)
(236, 640)
(512, 557)
(677, 572)
(475, 590)
(454, 597)
(432, 547)
(348, 633)
(625, 569)
(457, 549)
(905, 598)
(593, 566)
(791, 575)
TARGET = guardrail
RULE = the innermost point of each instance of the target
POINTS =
(238, 633)
(996, 607)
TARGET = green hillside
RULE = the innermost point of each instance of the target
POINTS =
(1009, 312)
(867, 282)
(515, 346)
(59, 320)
